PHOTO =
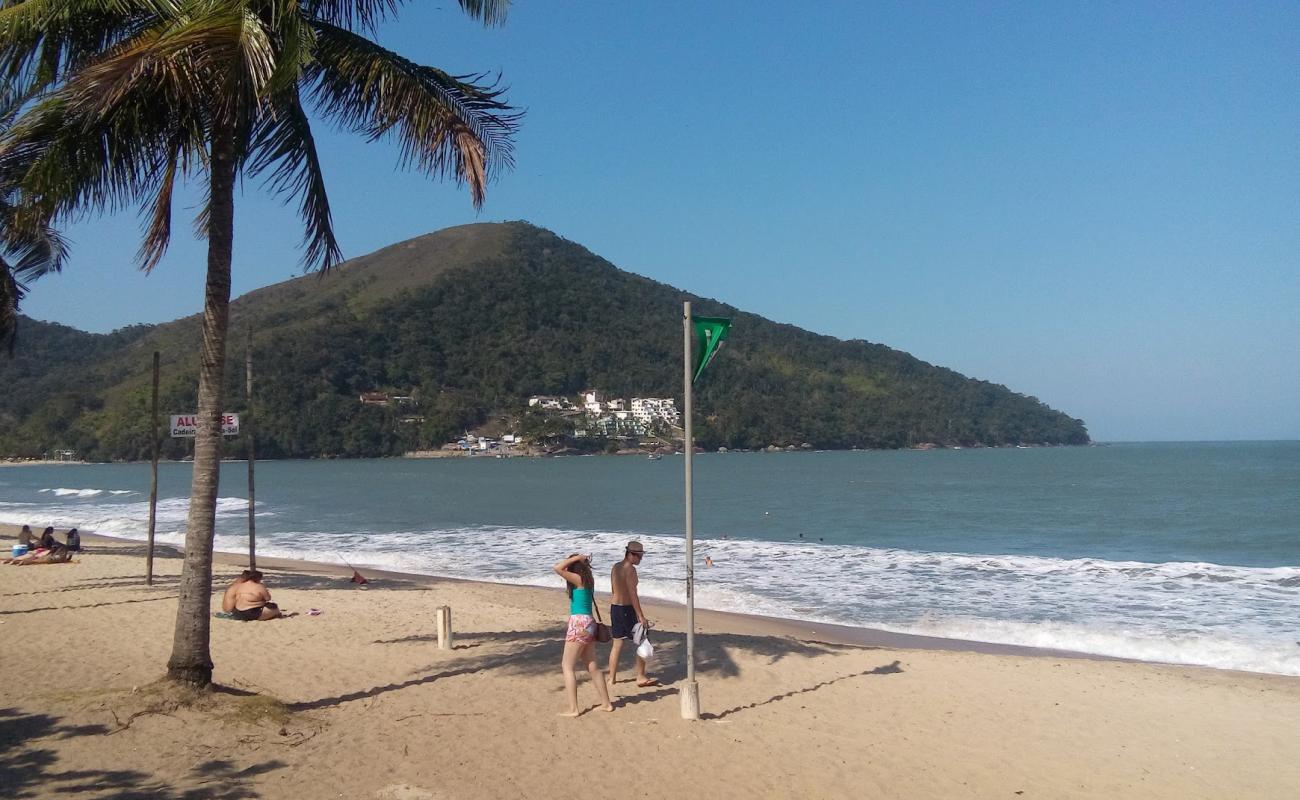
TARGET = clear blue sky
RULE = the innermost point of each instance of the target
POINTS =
(1096, 204)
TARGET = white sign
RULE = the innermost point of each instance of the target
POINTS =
(186, 425)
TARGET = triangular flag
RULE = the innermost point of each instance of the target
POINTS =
(709, 333)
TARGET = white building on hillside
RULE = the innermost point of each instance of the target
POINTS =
(547, 402)
(648, 410)
(591, 401)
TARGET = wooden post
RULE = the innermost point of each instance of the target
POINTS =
(444, 627)
(248, 430)
(153, 488)
(690, 690)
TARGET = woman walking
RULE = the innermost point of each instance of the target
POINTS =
(580, 637)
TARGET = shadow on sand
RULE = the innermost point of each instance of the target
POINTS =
(537, 652)
(30, 767)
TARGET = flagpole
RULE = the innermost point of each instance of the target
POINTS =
(691, 691)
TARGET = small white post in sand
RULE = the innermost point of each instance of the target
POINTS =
(444, 627)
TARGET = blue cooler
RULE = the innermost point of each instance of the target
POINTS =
(20, 550)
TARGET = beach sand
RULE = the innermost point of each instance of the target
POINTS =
(358, 702)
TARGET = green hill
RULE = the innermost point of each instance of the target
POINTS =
(472, 320)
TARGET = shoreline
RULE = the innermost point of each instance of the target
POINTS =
(673, 612)
(436, 455)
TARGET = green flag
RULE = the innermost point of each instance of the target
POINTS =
(709, 333)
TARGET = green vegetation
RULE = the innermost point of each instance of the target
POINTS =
(471, 321)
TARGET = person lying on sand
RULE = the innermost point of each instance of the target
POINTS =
(248, 599)
(41, 556)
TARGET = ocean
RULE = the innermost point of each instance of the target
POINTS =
(1184, 553)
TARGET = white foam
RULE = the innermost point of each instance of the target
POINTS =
(61, 492)
(1184, 613)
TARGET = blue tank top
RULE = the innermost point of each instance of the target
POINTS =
(580, 602)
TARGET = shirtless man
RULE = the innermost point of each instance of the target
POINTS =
(625, 612)
(248, 599)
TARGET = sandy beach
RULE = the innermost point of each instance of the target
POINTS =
(359, 702)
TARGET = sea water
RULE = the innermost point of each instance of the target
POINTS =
(1180, 553)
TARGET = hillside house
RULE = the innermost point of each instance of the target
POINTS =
(648, 410)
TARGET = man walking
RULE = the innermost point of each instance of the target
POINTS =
(625, 612)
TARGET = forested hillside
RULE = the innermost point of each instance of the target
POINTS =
(471, 321)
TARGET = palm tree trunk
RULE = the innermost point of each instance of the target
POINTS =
(191, 659)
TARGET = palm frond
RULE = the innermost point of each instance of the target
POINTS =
(285, 142)
(11, 294)
(355, 15)
(295, 40)
(446, 126)
(29, 248)
(42, 42)
(75, 162)
(181, 59)
(158, 231)
(491, 12)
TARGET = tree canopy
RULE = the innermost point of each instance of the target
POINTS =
(501, 312)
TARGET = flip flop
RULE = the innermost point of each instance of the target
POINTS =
(648, 683)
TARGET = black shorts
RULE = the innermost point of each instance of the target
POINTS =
(247, 614)
(621, 620)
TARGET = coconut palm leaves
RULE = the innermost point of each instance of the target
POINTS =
(29, 248)
(123, 97)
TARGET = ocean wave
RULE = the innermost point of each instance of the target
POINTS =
(61, 492)
(1191, 613)
(117, 517)
(1197, 614)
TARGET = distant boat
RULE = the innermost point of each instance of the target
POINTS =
(654, 457)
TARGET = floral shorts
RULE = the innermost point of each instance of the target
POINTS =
(582, 628)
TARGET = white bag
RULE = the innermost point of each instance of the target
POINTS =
(645, 650)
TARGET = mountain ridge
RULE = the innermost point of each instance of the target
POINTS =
(472, 320)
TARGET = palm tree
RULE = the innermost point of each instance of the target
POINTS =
(29, 247)
(124, 98)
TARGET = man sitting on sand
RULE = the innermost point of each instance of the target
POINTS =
(625, 612)
(248, 599)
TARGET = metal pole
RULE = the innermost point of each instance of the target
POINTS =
(691, 691)
(248, 421)
(153, 488)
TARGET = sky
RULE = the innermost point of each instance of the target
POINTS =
(1096, 204)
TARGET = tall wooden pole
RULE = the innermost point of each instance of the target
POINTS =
(248, 422)
(153, 488)
(691, 690)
